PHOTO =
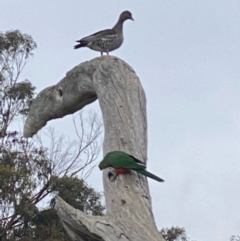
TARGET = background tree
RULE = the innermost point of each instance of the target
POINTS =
(235, 238)
(15, 50)
(29, 171)
(46, 224)
(174, 234)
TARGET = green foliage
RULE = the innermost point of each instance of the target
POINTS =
(174, 234)
(14, 43)
(15, 97)
(75, 192)
(45, 224)
(48, 226)
(22, 168)
(28, 170)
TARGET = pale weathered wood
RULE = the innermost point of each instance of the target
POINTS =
(123, 104)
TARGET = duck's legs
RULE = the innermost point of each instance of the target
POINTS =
(101, 53)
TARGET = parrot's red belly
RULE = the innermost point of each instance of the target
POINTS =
(121, 171)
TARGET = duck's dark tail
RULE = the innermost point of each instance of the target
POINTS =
(81, 44)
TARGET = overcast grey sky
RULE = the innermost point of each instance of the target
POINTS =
(187, 56)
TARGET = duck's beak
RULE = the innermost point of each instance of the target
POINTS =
(132, 18)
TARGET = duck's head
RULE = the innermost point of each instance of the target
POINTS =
(125, 15)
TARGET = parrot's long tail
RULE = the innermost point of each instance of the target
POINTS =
(149, 174)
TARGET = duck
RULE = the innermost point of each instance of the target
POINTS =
(106, 40)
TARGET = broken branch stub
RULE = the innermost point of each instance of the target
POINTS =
(123, 104)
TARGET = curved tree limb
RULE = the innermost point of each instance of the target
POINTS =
(123, 104)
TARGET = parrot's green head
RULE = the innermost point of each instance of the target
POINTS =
(102, 165)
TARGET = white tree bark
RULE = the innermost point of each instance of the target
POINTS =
(122, 100)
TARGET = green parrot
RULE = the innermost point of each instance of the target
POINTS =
(123, 163)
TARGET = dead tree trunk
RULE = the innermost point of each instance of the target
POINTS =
(123, 104)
